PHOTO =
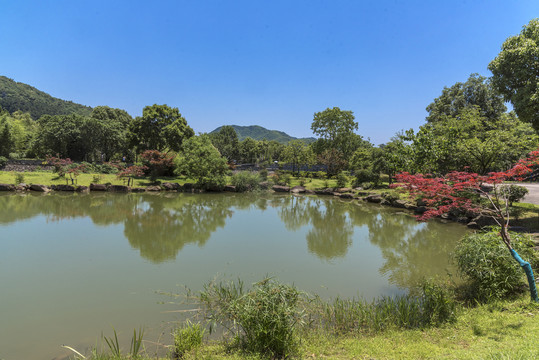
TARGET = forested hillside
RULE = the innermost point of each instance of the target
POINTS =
(18, 96)
(261, 133)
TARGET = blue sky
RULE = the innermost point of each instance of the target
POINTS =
(270, 63)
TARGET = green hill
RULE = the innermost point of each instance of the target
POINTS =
(260, 133)
(18, 96)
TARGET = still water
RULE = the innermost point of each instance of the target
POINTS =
(74, 266)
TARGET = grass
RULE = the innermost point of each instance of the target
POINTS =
(50, 178)
(500, 330)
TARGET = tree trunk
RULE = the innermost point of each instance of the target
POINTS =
(529, 274)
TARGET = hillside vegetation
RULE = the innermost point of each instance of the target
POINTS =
(18, 96)
(257, 132)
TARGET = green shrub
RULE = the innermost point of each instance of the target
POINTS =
(342, 179)
(263, 174)
(285, 179)
(96, 179)
(484, 261)
(366, 185)
(19, 178)
(245, 181)
(320, 175)
(88, 168)
(3, 161)
(438, 304)
(106, 168)
(390, 196)
(366, 176)
(515, 193)
(263, 320)
(186, 339)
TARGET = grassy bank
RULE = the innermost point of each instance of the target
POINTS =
(50, 178)
(501, 330)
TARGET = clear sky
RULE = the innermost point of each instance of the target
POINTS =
(271, 63)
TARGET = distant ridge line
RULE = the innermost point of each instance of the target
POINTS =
(258, 132)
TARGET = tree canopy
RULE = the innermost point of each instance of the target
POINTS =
(515, 72)
(477, 91)
(201, 161)
(226, 141)
(160, 128)
(336, 127)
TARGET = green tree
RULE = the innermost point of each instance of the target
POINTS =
(201, 161)
(471, 140)
(334, 161)
(160, 128)
(60, 135)
(110, 130)
(226, 141)
(249, 150)
(336, 128)
(477, 91)
(297, 154)
(396, 155)
(6, 138)
(515, 72)
(18, 129)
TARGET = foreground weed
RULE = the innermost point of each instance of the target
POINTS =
(134, 350)
(187, 339)
(263, 320)
(433, 306)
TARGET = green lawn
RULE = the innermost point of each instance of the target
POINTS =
(50, 178)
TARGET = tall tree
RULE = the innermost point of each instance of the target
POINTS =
(226, 141)
(336, 128)
(515, 72)
(110, 130)
(160, 128)
(470, 140)
(6, 139)
(477, 91)
(60, 135)
(249, 150)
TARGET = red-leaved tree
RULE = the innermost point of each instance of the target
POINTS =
(130, 173)
(457, 192)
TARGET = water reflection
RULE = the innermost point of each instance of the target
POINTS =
(160, 225)
(411, 250)
(331, 231)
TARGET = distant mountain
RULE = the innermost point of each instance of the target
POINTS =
(260, 133)
(18, 96)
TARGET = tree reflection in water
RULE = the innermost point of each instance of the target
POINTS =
(160, 225)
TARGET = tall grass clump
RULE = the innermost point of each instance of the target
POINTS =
(186, 339)
(245, 181)
(135, 349)
(342, 179)
(491, 273)
(432, 306)
(262, 320)
(19, 178)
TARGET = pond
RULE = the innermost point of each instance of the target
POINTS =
(74, 266)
